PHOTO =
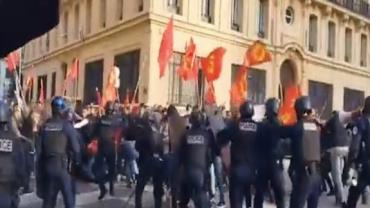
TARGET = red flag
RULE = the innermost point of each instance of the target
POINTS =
(42, 95)
(239, 90)
(12, 60)
(98, 97)
(287, 114)
(210, 97)
(166, 48)
(257, 54)
(188, 69)
(73, 72)
(212, 65)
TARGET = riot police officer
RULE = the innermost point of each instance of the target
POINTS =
(360, 153)
(12, 161)
(243, 150)
(305, 141)
(109, 132)
(270, 167)
(197, 148)
(150, 145)
(58, 142)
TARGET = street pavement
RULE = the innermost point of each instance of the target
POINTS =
(88, 198)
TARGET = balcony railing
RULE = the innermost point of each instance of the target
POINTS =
(360, 7)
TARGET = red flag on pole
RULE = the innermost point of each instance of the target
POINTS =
(42, 95)
(73, 73)
(12, 60)
(239, 89)
(188, 69)
(166, 48)
(257, 54)
(287, 114)
(210, 97)
(212, 65)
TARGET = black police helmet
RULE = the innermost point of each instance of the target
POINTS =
(246, 109)
(4, 111)
(109, 107)
(272, 106)
(196, 119)
(302, 105)
(58, 105)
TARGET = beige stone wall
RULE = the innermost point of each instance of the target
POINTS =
(144, 30)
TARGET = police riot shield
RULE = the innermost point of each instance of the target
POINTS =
(311, 143)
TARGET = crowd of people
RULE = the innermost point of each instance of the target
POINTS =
(194, 156)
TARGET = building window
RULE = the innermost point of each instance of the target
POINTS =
(47, 42)
(331, 39)
(93, 79)
(129, 65)
(88, 16)
(321, 96)
(141, 5)
(352, 99)
(77, 22)
(263, 18)
(237, 15)
(348, 46)
(119, 14)
(175, 6)
(53, 83)
(65, 28)
(312, 34)
(363, 46)
(183, 92)
(289, 15)
(64, 68)
(256, 83)
(44, 80)
(208, 7)
(103, 13)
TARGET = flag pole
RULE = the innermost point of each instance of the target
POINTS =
(139, 80)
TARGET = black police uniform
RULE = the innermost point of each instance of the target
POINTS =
(305, 140)
(109, 131)
(360, 154)
(12, 168)
(58, 142)
(243, 150)
(195, 154)
(150, 145)
(270, 167)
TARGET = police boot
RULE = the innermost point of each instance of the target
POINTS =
(103, 191)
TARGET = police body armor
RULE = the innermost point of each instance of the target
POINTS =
(243, 147)
(8, 167)
(337, 133)
(310, 145)
(55, 141)
(197, 149)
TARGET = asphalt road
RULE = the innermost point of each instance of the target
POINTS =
(88, 198)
